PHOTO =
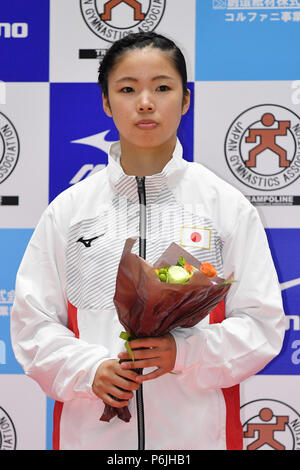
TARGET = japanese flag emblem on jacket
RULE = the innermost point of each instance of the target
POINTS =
(195, 236)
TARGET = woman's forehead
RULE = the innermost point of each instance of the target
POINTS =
(148, 61)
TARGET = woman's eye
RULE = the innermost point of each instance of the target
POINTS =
(127, 89)
(163, 88)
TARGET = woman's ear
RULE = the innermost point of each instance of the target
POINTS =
(106, 105)
(186, 102)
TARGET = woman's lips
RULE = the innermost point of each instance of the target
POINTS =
(146, 125)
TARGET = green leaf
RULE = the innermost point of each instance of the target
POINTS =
(129, 350)
(227, 282)
(181, 262)
(127, 337)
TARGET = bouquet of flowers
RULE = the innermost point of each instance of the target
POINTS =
(177, 291)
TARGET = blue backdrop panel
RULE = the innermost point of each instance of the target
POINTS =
(13, 243)
(284, 245)
(76, 114)
(234, 42)
(24, 41)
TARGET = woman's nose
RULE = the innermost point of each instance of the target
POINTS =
(145, 105)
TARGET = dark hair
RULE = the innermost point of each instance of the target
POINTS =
(139, 41)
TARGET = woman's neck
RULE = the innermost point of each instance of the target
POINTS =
(139, 161)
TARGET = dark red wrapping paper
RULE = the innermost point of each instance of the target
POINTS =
(148, 307)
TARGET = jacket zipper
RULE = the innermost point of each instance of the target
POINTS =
(142, 253)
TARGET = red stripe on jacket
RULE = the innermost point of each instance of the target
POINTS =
(58, 407)
(234, 429)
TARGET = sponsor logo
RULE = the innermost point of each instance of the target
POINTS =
(270, 425)
(87, 242)
(195, 237)
(6, 301)
(262, 148)
(14, 30)
(295, 357)
(7, 296)
(284, 248)
(88, 169)
(8, 437)
(219, 4)
(292, 322)
(254, 4)
(9, 147)
(111, 20)
(98, 141)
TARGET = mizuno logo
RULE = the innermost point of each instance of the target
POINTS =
(87, 242)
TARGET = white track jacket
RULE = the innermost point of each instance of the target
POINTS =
(64, 324)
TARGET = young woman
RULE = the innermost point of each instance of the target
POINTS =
(65, 330)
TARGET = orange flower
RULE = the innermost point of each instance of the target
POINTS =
(208, 269)
(188, 267)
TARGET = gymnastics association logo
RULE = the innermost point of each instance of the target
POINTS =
(9, 155)
(111, 20)
(270, 425)
(9, 147)
(262, 147)
(8, 437)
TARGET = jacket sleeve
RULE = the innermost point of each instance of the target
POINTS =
(224, 354)
(63, 365)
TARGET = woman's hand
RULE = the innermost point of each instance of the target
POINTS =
(160, 352)
(109, 377)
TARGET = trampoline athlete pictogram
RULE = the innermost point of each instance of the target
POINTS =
(267, 138)
(270, 424)
(262, 147)
(111, 20)
(138, 15)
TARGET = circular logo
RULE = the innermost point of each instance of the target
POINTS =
(270, 425)
(8, 437)
(262, 147)
(196, 237)
(9, 147)
(111, 20)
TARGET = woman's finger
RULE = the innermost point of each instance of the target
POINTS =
(149, 342)
(142, 363)
(152, 375)
(140, 354)
(125, 384)
(121, 393)
(109, 400)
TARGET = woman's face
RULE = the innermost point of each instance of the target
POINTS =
(145, 98)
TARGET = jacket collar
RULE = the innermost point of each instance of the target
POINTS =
(126, 185)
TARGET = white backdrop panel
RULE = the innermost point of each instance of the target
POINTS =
(27, 108)
(222, 107)
(74, 29)
(23, 412)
